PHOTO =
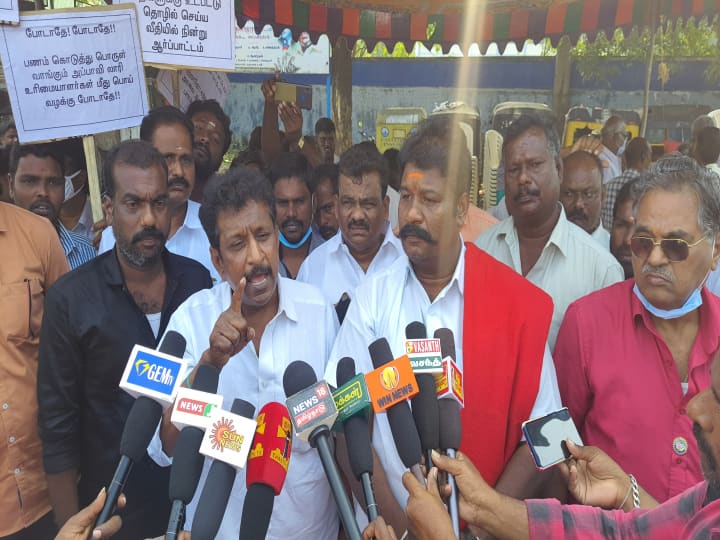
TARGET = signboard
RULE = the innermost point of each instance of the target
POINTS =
(9, 11)
(72, 73)
(195, 85)
(265, 53)
(188, 33)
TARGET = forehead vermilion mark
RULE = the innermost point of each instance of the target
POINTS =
(415, 175)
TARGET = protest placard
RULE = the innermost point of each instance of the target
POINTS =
(188, 33)
(194, 85)
(9, 11)
(75, 72)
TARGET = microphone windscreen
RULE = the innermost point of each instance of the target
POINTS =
(298, 376)
(257, 509)
(415, 330)
(380, 352)
(206, 379)
(450, 426)
(139, 428)
(357, 432)
(270, 454)
(447, 342)
(345, 370)
(187, 465)
(213, 501)
(242, 408)
(425, 412)
(173, 344)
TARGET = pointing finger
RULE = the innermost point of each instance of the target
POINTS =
(237, 296)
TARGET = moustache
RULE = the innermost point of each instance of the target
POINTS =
(524, 192)
(291, 221)
(41, 202)
(148, 234)
(179, 182)
(649, 269)
(257, 270)
(358, 224)
(414, 230)
(578, 215)
(202, 145)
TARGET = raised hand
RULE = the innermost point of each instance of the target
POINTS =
(231, 332)
(429, 519)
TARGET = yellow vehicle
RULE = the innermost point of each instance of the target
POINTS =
(394, 124)
(581, 121)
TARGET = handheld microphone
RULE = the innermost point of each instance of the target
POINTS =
(425, 403)
(405, 435)
(357, 436)
(218, 485)
(266, 469)
(187, 461)
(313, 412)
(160, 372)
(450, 425)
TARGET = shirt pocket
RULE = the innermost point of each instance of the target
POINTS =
(21, 309)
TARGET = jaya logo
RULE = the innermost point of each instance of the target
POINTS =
(154, 373)
(390, 377)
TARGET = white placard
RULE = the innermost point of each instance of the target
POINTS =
(265, 53)
(9, 11)
(195, 85)
(188, 33)
(74, 73)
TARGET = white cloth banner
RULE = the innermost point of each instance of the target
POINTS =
(74, 73)
(189, 33)
(266, 53)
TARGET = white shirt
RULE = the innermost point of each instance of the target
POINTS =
(614, 168)
(394, 197)
(84, 225)
(189, 241)
(572, 263)
(333, 270)
(602, 236)
(303, 329)
(383, 306)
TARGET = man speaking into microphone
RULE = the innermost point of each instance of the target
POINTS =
(251, 326)
(499, 320)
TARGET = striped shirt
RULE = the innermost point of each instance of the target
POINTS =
(612, 188)
(77, 249)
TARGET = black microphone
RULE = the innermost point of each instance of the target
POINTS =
(218, 485)
(425, 402)
(405, 435)
(315, 428)
(139, 429)
(357, 438)
(188, 461)
(450, 425)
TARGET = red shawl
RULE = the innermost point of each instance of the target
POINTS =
(506, 322)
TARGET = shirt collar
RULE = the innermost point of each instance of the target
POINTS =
(559, 237)
(286, 302)
(66, 239)
(3, 216)
(457, 278)
(192, 216)
(709, 318)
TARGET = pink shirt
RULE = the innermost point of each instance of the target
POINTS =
(620, 382)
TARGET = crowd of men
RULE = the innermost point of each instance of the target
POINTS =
(597, 292)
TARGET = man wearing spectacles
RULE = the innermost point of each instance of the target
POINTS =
(537, 240)
(581, 194)
(643, 348)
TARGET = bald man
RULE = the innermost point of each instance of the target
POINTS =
(581, 194)
(613, 137)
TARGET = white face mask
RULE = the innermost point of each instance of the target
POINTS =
(70, 190)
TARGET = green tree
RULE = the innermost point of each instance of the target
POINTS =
(674, 43)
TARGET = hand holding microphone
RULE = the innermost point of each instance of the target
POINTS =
(231, 332)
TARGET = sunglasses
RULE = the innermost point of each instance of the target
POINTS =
(675, 249)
